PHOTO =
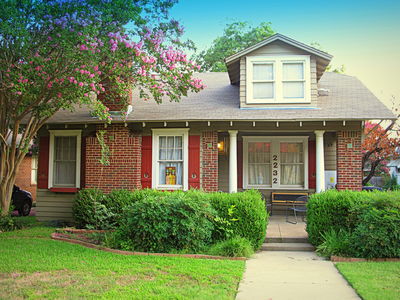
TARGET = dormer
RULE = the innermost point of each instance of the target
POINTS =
(277, 72)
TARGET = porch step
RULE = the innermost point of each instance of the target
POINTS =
(285, 240)
(287, 247)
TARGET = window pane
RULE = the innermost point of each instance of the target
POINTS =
(293, 89)
(263, 72)
(64, 160)
(263, 90)
(292, 166)
(259, 152)
(259, 174)
(171, 173)
(292, 174)
(293, 71)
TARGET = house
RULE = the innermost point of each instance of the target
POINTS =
(26, 175)
(276, 121)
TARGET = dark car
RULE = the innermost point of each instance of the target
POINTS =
(22, 201)
(371, 188)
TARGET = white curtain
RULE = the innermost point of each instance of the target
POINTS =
(263, 72)
(259, 163)
(170, 155)
(292, 164)
(293, 84)
(64, 161)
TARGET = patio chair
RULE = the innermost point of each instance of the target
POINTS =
(298, 206)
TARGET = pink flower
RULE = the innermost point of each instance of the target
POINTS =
(80, 84)
(59, 95)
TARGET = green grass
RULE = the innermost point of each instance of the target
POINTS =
(373, 280)
(34, 266)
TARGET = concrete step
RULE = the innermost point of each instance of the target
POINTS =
(287, 247)
(285, 240)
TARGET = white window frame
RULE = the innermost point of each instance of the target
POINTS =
(278, 62)
(78, 135)
(34, 169)
(184, 132)
(275, 149)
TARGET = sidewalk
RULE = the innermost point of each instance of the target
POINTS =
(292, 275)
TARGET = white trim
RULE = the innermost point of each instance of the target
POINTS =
(278, 62)
(34, 169)
(275, 141)
(184, 132)
(78, 134)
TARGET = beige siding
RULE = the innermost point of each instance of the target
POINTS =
(54, 206)
(278, 48)
(330, 151)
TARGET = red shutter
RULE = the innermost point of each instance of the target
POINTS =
(43, 163)
(240, 164)
(194, 162)
(146, 161)
(311, 165)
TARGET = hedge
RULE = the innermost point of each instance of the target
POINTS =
(371, 221)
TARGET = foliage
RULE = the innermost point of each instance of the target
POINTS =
(236, 36)
(224, 227)
(379, 146)
(63, 54)
(10, 223)
(34, 266)
(367, 223)
(249, 214)
(377, 234)
(373, 280)
(234, 247)
(163, 224)
(391, 183)
(105, 150)
(334, 243)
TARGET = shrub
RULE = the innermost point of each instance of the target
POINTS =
(245, 214)
(166, 223)
(88, 208)
(377, 234)
(234, 247)
(331, 210)
(335, 243)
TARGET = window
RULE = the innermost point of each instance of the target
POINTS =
(170, 158)
(64, 158)
(34, 169)
(278, 79)
(275, 162)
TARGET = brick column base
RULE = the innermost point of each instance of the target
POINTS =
(349, 156)
(209, 161)
(125, 160)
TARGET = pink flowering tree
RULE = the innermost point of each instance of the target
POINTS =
(60, 54)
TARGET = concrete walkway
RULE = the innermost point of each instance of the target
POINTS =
(292, 275)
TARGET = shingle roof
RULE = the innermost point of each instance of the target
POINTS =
(348, 99)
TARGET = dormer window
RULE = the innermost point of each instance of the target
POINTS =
(278, 79)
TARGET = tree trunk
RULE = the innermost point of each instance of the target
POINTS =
(5, 195)
(371, 174)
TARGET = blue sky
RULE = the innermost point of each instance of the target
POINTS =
(362, 35)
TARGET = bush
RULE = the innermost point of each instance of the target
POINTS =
(377, 234)
(9, 223)
(88, 209)
(335, 243)
(246, 215)
(235, 247)
(164, 224)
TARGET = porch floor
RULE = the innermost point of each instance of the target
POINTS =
(278, 228)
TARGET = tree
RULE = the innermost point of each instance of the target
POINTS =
(380, 144)
(236, 36)
(59, 54)
(339, 69)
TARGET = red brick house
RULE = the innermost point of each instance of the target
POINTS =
(26, 175)
(276, 121)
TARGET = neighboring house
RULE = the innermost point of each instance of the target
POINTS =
(27, 174)
(274, 122)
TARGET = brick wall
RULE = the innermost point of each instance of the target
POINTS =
(349, 173)
(209, 161)
(23, 179)
(125, 160)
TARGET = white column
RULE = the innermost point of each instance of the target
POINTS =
(320, 161)
(233, 161)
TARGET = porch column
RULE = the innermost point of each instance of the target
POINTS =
(233, 161)
(320, 162)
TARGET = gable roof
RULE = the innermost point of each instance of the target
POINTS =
(284, 39)
(233, 62)
(348, 99)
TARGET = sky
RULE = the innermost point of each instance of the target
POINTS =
(362, 35)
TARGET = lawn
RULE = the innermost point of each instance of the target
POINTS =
(373, 280)
(34, 266)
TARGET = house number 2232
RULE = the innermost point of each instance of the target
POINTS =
(275, 167)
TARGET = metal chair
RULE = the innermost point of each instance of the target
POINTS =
(298, 206)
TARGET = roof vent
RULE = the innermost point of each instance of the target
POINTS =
(323, 92)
